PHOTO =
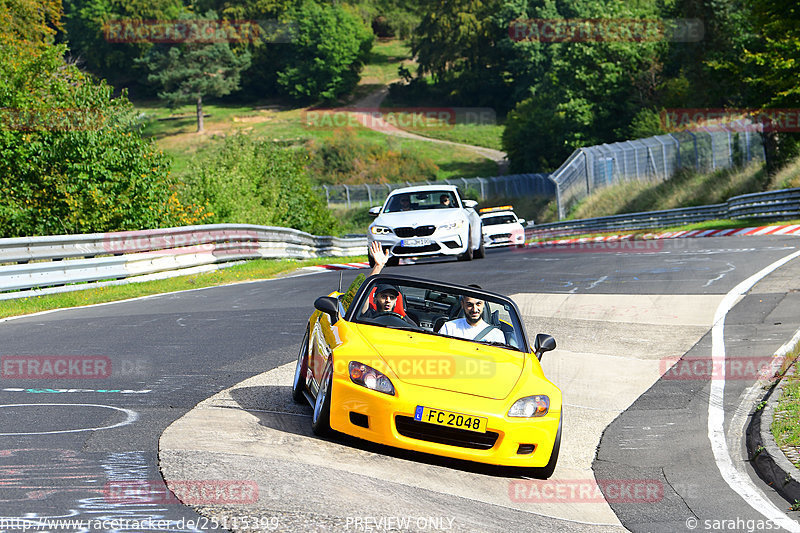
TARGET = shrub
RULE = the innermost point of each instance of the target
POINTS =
(344, 158)
(250, 181)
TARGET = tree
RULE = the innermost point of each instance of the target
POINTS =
(193, 70)
(329, 45)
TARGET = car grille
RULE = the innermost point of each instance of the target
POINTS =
(411, 250)
(500, 236)
(408, 427)
(421, 231)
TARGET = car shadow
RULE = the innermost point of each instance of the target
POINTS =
(274, 408)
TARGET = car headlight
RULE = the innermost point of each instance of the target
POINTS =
(368, 377)
(380, 230)
(530, 406)
(453, 225)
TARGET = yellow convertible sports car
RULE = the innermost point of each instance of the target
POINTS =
(433, 367)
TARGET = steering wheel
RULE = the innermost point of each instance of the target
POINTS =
(391, 319)
(390, 313)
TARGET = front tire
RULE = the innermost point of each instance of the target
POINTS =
(480, 253)
(300, 371)
(467, 255)
(321, 418)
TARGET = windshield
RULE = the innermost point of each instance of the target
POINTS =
(500, 219)
(437, 310)
(417, 201)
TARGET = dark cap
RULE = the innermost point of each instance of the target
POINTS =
(384, 287)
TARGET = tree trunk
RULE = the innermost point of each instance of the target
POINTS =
(200, 114)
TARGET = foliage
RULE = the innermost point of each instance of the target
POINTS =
(86, 35)
(329, 45)
(250, 181)
(73, 161)
(345, 158)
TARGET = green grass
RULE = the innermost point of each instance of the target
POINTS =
(785, 428)
(386, 56)
(251, 270)
(685, 189)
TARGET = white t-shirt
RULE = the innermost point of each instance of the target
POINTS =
(461, 328)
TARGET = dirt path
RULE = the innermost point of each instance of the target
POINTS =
(368, 119)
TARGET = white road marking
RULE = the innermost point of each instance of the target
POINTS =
(597, 282)
(731, 268)
(742, 485)
(131, 417)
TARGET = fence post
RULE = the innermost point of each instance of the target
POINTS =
(663, 155)
(483, 187)
(347, 191)
(327, 195)
(586, 171)
(679, 148)
(369, 194)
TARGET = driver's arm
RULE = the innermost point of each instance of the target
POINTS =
(376, 250)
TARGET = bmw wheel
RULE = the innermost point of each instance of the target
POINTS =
(467, 255)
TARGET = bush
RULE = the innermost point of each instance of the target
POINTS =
(344, 158)
(250, 181)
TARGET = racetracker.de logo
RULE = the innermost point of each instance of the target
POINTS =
(586, 491)
(195, 31)
(191, 492)
(582, 30)
(390, 119)
(217, 242)
(736, 120)
(709, 368)
(55, 366)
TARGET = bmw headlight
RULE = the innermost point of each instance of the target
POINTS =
(453, 225)
(380, 230)
(368, 377)
(530, 406)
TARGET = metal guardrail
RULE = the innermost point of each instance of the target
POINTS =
(38, 262)
(773, 205)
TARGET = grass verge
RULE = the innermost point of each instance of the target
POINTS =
(785, 428)
(251, 270)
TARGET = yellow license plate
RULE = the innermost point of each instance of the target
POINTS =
(450, 419)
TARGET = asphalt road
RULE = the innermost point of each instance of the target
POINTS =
(77, 447)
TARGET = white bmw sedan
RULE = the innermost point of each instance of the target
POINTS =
(427, 220)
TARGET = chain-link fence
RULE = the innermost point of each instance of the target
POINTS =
(508, 186)
(653, 159)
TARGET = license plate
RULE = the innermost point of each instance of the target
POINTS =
(450, 419)
(411, 243)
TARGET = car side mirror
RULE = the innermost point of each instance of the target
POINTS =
(470, 203)
(329, 306)
(543, 343)
(522, 221)
(375, 211)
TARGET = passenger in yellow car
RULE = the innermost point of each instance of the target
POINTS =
(472, 326)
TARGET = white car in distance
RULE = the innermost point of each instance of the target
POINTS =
(427, 220)
(501, 227)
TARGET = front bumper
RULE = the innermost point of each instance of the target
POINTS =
(353, 407)
(495, 240)
(445, 244)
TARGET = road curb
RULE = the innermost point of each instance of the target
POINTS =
(768, 460)
(755, 231)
